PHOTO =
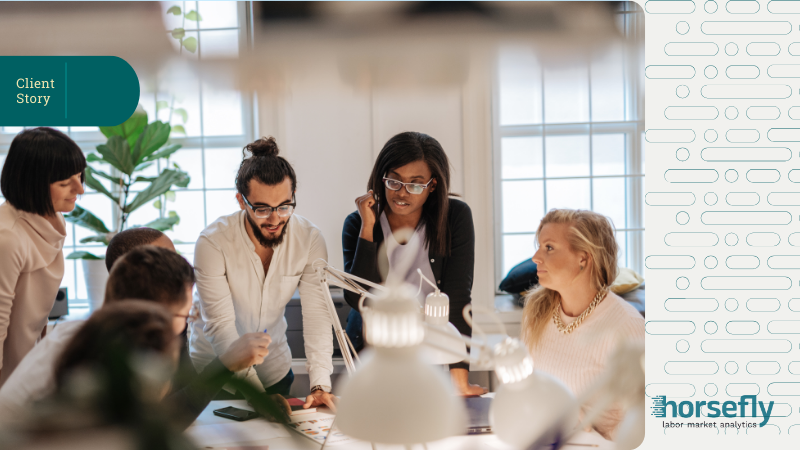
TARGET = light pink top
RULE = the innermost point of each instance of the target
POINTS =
(31, 269)
(578, 358)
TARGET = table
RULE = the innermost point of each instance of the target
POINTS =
(210, 431)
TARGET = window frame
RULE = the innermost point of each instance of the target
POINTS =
(632, 18)
(89, 140)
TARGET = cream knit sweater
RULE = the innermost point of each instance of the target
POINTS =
(31, 269)
(578, 358)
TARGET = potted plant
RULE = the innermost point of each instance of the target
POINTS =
(132, 147)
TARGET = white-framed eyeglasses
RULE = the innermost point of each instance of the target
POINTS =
(411, 188)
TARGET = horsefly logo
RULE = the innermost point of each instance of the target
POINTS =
(747, 406)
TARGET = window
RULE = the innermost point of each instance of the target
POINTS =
(570, 135)
(219, 122)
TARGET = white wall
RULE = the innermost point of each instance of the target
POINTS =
(332, 131)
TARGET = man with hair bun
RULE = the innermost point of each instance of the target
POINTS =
(248, 265)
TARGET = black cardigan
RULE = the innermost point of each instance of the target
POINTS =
(453, 273)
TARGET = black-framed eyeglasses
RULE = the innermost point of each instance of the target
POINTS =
(263, 212)
(411, 188)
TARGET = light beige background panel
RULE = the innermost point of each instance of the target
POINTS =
(331, 129)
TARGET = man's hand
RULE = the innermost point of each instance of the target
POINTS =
(248, 350)
(319, 398)
(269, 412)
(460, 379)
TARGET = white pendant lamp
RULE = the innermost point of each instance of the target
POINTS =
(528, 402)
(396, 397)
(441, 348)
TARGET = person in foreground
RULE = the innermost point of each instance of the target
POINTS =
(248, 265)
(572, 323)
(409, 189)
(143, 272)
(129, 327)
(42, 177)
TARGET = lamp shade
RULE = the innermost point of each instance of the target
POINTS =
(528, 402)
(396, 397)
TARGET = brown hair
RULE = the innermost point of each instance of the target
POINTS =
(150, 273)
(589, 232)
(408, 147)
(128, 327)
(265, 166)
(127, 240)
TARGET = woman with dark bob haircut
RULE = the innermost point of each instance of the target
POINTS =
(42, 177)
(409, 189)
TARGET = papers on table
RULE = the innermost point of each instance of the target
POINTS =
(221, 433)
(317, 430)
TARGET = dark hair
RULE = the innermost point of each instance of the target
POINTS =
(125, 327)
(127, 240)
(150, 273)
(37, 158)
(265, 166)
(405, 148)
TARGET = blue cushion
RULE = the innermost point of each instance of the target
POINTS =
(520, 278)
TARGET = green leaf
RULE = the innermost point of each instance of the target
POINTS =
(170, 196)
(92, 157)
(99, 238)
(148, 179)
(178, 33)
(152, 138)
(184, 180)
(190, 44)
(117, 153)
(130, 129)
(175, 10)
(83, 218)
(172, 214)
(179, 129)
(157, 204)
(161, 105)
(164, 223)
(116, 180)
(182, 112)
(142, 166)
(164, 152)
(193, 15)
(82, 255)
(158, 187)
(93, 183)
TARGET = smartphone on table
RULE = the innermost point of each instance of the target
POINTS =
(237, 414)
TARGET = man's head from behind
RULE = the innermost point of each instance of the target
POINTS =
(127, 240)
(154, 274)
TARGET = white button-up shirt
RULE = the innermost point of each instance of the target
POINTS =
(236, 297)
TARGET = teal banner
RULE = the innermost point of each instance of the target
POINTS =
(66, 91)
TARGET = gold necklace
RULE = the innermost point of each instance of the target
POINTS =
(566, 329)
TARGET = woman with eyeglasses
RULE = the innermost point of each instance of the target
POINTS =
(42, 178)
(409, 189)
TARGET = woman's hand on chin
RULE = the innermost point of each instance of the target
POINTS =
(366, 210)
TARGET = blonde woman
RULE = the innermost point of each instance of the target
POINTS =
(572, 322)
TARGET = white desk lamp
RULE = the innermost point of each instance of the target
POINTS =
(530, 410)
(396, 397)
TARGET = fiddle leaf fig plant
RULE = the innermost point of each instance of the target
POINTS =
(132, 147)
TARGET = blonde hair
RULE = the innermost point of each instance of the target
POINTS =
(588, 232)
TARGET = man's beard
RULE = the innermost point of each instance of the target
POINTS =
(265, 241)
